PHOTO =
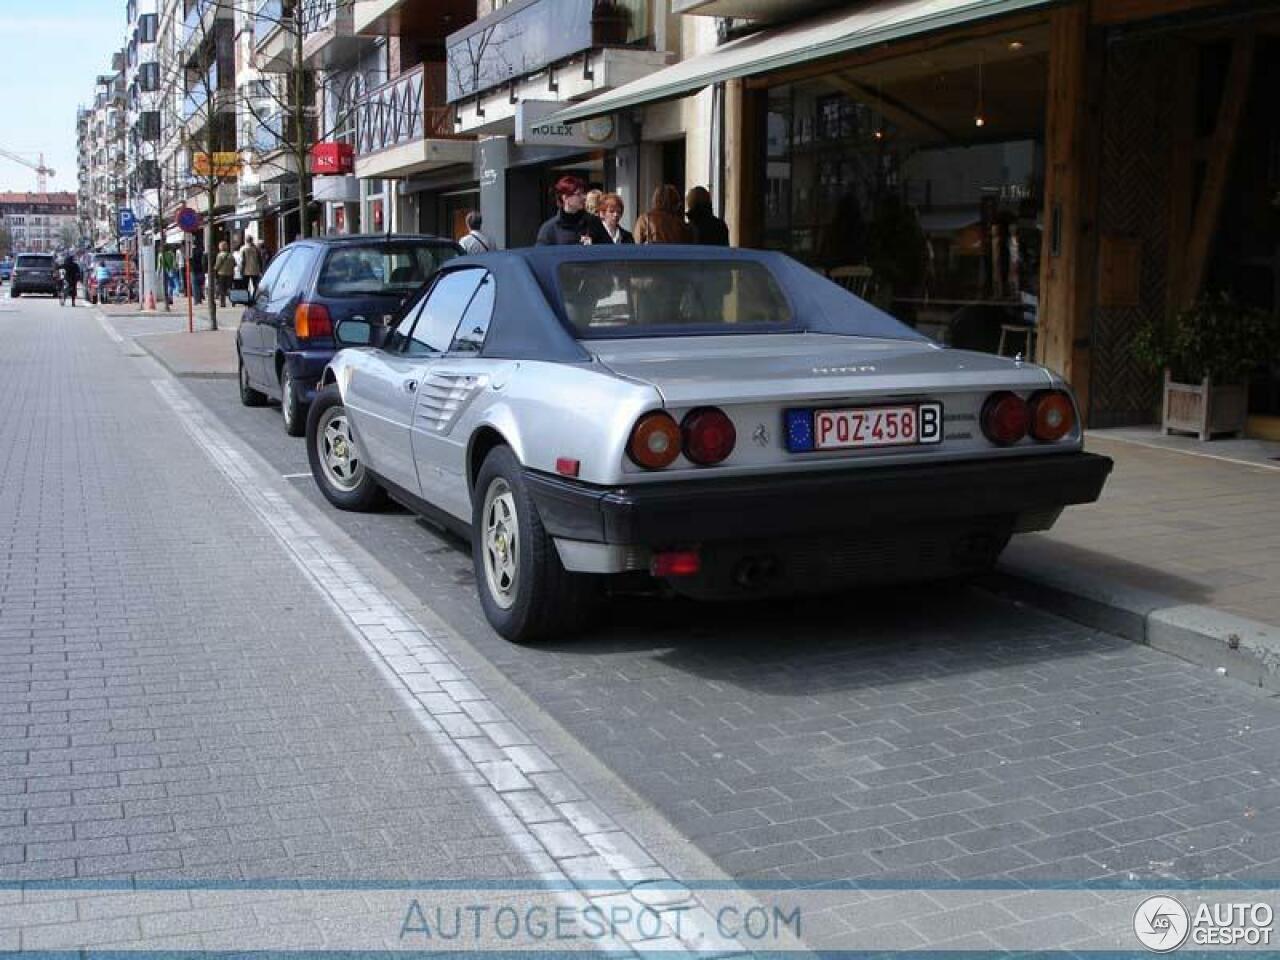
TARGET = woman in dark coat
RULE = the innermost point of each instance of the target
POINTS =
(708, 230)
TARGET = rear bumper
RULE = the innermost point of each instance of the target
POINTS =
(684, 512)
(307, 366)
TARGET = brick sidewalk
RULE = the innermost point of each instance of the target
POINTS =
(1177, 522)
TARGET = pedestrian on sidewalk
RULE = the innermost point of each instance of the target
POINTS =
(708, 230)
(476, 240)
(572, 225)
(199, 266)
(251, 265)
(610, 211)
(168, 270)
(664, 223)
(224, 272)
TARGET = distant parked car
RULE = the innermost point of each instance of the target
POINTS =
(34, 273)
(114, 263)
(286, 334)
(6, 270)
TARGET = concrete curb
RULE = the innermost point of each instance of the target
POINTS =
(174, 367)
(1247, 650)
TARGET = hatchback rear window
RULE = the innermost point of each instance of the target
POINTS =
(648, 298)
(33, 260)
(380, 268)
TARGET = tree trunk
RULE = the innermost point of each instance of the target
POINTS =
(300, 128)
(208, 239)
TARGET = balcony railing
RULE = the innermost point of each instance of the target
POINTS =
(526, 36)
(318, 15)
(267, 19)
(409, 108)
(276, 132)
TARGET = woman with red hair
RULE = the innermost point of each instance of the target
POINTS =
(572, 224)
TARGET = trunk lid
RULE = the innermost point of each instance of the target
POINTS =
(760, 368)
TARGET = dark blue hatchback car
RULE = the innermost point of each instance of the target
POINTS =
(286, 334)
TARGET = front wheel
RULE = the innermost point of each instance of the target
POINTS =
(291, 406)
(337, 462)
(526, 593)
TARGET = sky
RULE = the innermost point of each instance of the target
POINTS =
(51, 51)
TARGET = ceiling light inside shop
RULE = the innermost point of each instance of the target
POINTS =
(1015, 45)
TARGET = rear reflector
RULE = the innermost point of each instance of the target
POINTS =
(676, 563)
(566, 467)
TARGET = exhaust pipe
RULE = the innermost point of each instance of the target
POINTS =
(755, 573)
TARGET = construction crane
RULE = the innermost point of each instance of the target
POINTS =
(43, 173)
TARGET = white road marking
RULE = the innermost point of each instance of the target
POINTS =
(461, 721)
(1188, 453)
(107, 327)
(296, 476)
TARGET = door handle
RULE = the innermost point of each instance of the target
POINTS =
(410, 386)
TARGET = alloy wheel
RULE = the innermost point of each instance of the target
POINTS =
(501, 543)
(339, 457)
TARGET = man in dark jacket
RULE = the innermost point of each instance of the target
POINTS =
(572, 223)
(708, 229)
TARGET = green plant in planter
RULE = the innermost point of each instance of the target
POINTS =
(1217, 337)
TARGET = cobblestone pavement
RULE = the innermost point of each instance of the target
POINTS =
(924, 734)
(174, 700)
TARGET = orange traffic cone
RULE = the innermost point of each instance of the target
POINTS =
(151, 301)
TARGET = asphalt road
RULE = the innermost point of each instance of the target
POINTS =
(928, 732)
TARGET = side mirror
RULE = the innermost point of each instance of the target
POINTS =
(354, 333)
(240, 298)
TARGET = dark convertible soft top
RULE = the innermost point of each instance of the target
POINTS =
(529, 320)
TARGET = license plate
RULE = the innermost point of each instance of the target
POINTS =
(851, 428)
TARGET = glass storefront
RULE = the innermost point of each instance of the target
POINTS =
(919, 182)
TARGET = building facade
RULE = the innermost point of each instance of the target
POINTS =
(40, 222)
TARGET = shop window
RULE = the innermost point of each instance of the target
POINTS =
(928, 170)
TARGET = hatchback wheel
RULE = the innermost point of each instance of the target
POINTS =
(526, 593)
(337, 462)
(291, 405)
(248, 396)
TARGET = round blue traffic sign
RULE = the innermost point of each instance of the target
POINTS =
(188, 220)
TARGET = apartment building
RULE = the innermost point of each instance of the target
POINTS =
(40, 222)
(143, 92)
(104, 155)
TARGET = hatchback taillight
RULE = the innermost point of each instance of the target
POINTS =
(709, 436)
(1053, 416)
(1005, 418)
(312, 320)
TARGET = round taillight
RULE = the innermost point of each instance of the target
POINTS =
(709, 436)
(655, 441)
(1005, 418)
(1052, 416)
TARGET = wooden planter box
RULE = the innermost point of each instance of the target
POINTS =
(1204, 408)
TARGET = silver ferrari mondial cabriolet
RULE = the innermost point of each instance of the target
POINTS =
(727, 421)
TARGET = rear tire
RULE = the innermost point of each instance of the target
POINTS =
(526, 593)
(248, 396)
(337, 463)
(291, 406)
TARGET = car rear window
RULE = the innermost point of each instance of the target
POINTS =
(380, 268)
(34, 260)
(648, 298)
